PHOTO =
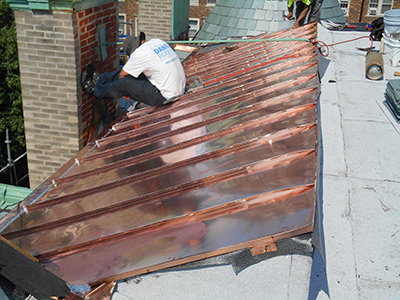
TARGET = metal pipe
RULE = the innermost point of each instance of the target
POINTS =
(374, 65)
(227, 41)
(21, 156)
(10, 161)
(5, 168)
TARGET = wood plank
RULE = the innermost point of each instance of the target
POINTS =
(23, 270)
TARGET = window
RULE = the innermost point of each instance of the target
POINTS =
(122, 25)
(194, 2)
(378, 7)
(212, 2)
(344, 5)
(194, 25)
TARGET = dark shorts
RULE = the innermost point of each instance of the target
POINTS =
(138, 89)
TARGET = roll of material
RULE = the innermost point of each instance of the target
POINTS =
(374, 65)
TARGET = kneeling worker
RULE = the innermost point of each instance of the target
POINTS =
(153, 75)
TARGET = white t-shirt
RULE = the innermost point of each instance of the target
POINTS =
(161, 66)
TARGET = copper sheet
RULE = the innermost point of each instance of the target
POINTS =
(228, 166)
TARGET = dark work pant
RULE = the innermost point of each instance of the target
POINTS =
(299, 8)
(315, 11)
(139, 89)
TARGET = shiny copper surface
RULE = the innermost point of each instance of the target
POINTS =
(228, 166)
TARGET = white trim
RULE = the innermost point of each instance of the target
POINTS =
(344, 6)
(197, 20)
(194, 3)
(137, 25)
(375, 9)
(211, 4)
(124, 25)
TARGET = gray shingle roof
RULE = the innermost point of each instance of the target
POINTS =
(330, 10)
(238, 18)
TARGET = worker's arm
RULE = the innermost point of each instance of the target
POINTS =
(123, 74)
(290, 14)
(302, 16)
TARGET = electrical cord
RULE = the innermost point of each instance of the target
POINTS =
(338, 43)
(292, 54)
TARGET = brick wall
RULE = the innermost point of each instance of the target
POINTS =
(54, 48)
(89, 22)
(130, 8)
(155, 18)
(355, 11)
(200, 11)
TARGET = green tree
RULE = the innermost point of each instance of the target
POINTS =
(11, 115)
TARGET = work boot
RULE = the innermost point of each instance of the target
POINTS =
(89, 79)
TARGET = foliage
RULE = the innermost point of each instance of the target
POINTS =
(11, 115)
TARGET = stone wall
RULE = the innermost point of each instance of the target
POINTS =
(48, 55)
(155, 18)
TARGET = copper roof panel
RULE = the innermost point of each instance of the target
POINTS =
(230, 165)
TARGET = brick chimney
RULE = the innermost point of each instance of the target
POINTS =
(55, 45)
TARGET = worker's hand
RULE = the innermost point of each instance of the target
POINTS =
(123, 74)
(289, 16)
(296, 24)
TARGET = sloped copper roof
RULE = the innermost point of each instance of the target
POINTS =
(230, 165)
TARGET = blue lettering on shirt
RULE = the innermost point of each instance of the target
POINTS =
(164, 52)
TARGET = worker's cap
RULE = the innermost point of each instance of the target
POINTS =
(131, 43)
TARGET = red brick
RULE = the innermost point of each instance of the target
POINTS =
(88, 11)
(84, 36)
(85, 62)
(83, 22)
(92, 39)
